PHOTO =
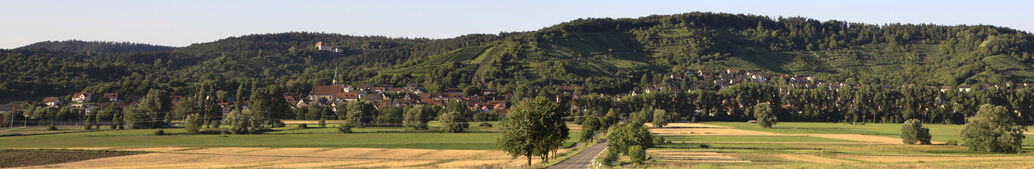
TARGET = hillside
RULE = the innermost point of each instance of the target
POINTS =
(602, 54)
(610, 51)
(96, 46)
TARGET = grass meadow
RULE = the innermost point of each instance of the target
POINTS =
(329, 137)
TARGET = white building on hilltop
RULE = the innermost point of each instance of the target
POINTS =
(324, 47)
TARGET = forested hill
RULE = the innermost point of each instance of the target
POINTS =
(96, 46)
(602, 54)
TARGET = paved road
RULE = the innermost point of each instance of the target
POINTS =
(583, 159)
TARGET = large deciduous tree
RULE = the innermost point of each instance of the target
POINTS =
(764, 115)
(993, 129)
(534, 127)
(913, 131)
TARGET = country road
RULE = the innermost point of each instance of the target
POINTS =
(582, 160)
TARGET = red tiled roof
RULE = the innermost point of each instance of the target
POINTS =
(77, 94)
(50, 99)
(347, 95)
(327, 90)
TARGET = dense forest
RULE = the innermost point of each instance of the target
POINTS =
(96, 47)
(602, 55)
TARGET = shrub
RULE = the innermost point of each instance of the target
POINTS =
(952, 142)
(159, 132)
(485, 116)
(764, 115)
(345, 127)
(322, 123)
(658, 140)
(277, 123)
(303, 126)
(215, 124)
(416, 117)
(610, 157)
(637, 154)
(51, 127)
(243, 122)
(590, 126)
(993, 129)
(485, 125)
(704, 146)
(192, 123)
(87, 123)
(912, 131)
(660, 118)
(453, 122)
(628, 135)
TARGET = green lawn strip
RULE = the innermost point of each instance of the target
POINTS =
(132, 138)
(371, 137)
(732, 138)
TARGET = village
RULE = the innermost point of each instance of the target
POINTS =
(483, 101)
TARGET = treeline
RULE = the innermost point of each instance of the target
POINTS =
(79, 46)
(873, 104)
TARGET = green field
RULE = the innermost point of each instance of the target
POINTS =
(369, 137)
(800, 151)
(750, 139)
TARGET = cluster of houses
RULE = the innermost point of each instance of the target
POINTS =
(387, 95)
(86, 102)
(330, 95)
(721, 79)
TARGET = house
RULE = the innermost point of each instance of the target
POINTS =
(81, 97)
(52, 101)
(327, 93)
(675, 76)
(111, 97)
(325, 47)
(301, 103)
(4, 108)
(347, 97)
(456, 91)
(290, 100)
(489, 92)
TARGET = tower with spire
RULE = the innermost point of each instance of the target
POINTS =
(335, 76)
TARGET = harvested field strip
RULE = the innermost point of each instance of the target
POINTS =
(250, 157)
(694, 156)
(812, 158)
(932, 158)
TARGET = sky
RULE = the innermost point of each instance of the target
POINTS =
(183, 22)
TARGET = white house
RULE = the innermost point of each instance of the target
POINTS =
(324, 47)
(81, 97)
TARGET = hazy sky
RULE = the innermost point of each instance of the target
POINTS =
(182, 22)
